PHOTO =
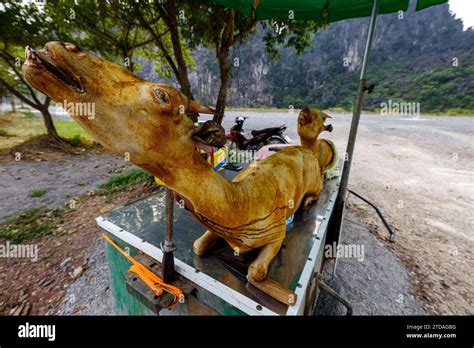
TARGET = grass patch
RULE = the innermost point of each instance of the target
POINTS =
(125, 180)
(259, 109)
(29, 115)
(78, 141)
(4, 133)
(454, 112)
(31, 125)
(339, 110)
(36, 193)
(71, 130)
(30, 224)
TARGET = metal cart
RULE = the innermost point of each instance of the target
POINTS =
(213, 286)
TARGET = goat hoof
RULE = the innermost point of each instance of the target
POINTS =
(199, 248)
(257, 272)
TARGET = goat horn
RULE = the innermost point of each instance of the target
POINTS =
(195, 107)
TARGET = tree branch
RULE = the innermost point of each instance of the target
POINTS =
(18, 94)
(146, 42)
(163, 15)
(6, 57)
(105, 36)
(244, 32)
(159, 43)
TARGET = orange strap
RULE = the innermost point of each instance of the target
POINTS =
(149, 278)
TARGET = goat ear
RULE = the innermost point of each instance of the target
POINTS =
(196, 108)
(325, 116)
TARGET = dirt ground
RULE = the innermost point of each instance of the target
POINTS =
(64, 178)
(377, 285)
(39, 288)
(426, 188)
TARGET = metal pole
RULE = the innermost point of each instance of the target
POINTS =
(370, 34)
(359, 102)
(341, 199)
(168, 246)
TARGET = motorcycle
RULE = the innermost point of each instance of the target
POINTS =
(260, 138)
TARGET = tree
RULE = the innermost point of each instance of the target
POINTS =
(198, 23)
(3, 92)
(220, 29)
(217, 28)
(165, 31)
(26, 19)
(101, 26)
(160, 20)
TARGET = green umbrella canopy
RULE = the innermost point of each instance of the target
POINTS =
(319, 10)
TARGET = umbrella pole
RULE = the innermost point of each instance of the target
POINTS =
(362, 87)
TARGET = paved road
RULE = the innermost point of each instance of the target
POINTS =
(425, 127)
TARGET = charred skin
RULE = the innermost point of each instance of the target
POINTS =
(149, 122)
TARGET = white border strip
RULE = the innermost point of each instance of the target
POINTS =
(215, 287)
(309, 266)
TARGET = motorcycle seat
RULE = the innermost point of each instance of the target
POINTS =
(268, 130)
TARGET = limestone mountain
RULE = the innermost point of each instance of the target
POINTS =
(422, 57)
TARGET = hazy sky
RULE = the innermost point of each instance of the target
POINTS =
(463, 9)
